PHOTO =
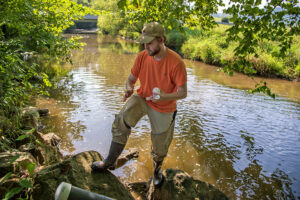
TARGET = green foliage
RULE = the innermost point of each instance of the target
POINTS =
(262, 87)
(268, 65)
(172, 14)
(83, 2)
(205, 51)
(297, 70)
(29, 29)
(253, 24)
(112, 21)
(211, 47)
(175, 39)
(25, 185)
(6, 177)
(276, 21)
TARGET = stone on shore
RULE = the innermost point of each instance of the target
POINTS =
(76, 170)
(19, 164)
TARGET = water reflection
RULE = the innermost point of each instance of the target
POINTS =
(246, 145)
(62, 110)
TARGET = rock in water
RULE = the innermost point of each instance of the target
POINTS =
(76, 170)
(179, 185)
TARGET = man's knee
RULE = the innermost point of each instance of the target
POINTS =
(120, 130)
(133, 110)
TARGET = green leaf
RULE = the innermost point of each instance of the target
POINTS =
(25, 183)
(30, 132)
(39, 143)
(12, 192)
(22, 137)
(14, 159)
(7, 176)
(30, 167)
(122, 4)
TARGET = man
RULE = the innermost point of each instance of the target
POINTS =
(155, 67)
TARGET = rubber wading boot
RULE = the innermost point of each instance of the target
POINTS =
(109, 163)
(158, 176)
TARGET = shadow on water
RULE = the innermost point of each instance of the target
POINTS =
(246, 145)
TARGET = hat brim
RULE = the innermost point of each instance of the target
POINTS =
(145, 39)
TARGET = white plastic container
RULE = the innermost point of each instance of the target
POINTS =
(156, 93)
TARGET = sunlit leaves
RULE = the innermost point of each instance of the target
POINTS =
(172, 14)
(30, 168)
(262, 87)
(254, 22)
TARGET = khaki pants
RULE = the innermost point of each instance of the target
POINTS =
(162, 125)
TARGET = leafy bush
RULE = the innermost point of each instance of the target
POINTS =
(297, 70)
(175, 40)
(29, 29)
(268, 65)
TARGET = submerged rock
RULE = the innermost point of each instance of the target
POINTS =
(76, 170)
(177, 185)
(30, 118)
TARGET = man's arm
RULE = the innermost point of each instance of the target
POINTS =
(180, 94)
(129, 86)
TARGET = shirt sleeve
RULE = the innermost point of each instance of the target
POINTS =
(179, 74)
(136, 68)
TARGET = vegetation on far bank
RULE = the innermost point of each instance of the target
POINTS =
(211, 47)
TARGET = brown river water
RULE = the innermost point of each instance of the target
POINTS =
(247, 145)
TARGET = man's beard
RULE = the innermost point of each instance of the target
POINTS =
(154, 52)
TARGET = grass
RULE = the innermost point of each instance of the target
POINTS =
(211, 47)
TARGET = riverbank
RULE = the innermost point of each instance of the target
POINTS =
(211, 47)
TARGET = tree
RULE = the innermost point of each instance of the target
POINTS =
(30, 27)
(172, 14)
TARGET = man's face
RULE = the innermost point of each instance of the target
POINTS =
(153, 47)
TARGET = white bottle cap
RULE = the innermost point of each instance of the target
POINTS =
(156, 90)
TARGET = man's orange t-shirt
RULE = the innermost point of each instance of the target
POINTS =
(167, 74)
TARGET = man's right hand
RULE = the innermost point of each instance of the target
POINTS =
(129, 86)
(127, 94)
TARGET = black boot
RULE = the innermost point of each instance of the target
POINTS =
(157, 176)
(109, 163)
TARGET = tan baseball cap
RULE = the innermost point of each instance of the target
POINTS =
(150, 31)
